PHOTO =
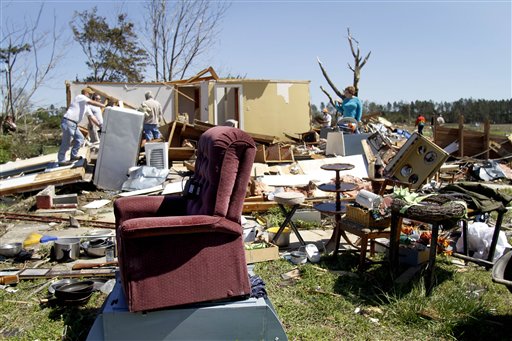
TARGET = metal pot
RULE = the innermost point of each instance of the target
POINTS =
(10, 250)
(66, 249)
(97, 247)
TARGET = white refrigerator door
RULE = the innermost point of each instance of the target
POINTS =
(119, 147)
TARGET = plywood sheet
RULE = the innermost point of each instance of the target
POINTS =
(58, 176)
(313, 172)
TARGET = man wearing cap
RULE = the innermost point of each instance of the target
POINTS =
(325, 119)
(152, 116)
(71, 135)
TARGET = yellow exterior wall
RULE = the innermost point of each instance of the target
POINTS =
(271, 107)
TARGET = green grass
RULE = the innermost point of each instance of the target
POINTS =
(464, 305)
(22, 317)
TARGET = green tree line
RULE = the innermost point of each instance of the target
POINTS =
(474, 110)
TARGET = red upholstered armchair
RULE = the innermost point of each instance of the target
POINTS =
(180, 250)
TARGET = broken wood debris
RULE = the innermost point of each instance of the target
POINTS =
(46, 219)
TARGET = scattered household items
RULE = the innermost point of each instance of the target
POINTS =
(97, 247)
(9, 279)
(59, 283)
(283, 240)
(32, 239)
(338, 207)
(417, 160)
(74, 292)
(368, 200)
(479, 199)
(502, 271)
(335, 144)
(121, 127)
(261, 251)
(436, 210)
(180, 236)
(66, 249)
(10, 249)
(157, 154)
(298, 257)
(488, 170)
(479, 237)
(294, 200)
(413, 254)
(144, 177)
(312, 253)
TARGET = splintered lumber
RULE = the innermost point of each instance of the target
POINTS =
(274, 153)
(39, 181)
(28, 273)
(114, 99)
(498, 148)
(27, 165)
(258, 206)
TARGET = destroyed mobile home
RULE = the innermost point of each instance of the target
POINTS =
(199, 195)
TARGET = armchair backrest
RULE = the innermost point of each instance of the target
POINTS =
(223, 168)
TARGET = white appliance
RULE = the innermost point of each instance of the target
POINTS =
(119, 146)
(157, 154)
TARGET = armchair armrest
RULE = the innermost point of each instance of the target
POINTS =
(164, 226)
(148, 206)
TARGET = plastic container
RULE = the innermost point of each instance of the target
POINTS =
(284, 238)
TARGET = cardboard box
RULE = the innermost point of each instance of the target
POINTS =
(413, 255)
(271, 252)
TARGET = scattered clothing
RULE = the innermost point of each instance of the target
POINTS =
(257, 287)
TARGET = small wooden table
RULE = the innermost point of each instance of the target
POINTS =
(365, 234)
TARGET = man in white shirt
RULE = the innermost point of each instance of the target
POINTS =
(71, 135)
(440, 120)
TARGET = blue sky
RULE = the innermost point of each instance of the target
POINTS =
(420, 50)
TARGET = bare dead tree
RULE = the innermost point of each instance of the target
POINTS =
(180, 32)
(356, 69)
(25, 69)
(358, 61)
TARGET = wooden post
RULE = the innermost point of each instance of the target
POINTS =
(176, 107)
(461, 135)
(434, 126)
(487, 129)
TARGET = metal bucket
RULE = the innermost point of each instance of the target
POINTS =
(284, 238)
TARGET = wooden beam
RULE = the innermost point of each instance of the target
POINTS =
(487, 129)
(104, 94)
(461, 135)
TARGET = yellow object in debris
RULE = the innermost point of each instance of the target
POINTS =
(32, 239)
